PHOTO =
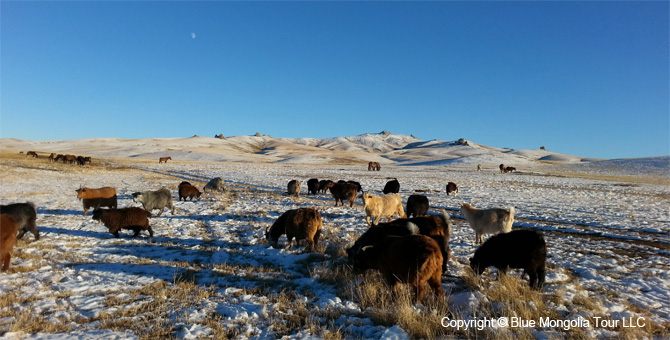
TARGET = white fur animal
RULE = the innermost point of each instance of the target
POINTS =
(488, 221)
(382, 206)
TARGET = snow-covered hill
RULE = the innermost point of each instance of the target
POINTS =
(384, 147)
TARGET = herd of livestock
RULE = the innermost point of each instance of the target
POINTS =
(67, 159)
(412, 249)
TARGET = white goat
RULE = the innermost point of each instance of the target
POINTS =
(488, 221)
(382, 206)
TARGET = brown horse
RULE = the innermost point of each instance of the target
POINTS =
(164, 159)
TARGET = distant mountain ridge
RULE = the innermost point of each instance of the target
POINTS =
(384, 147)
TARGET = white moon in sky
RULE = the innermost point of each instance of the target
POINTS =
(193, 35)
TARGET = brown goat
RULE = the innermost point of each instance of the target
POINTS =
(133, 218)
(302, 223)
(413, 259)
(344, 192)
(96, 198)
(187, 190)
(95, 203)
(95, 193)
(8, 230)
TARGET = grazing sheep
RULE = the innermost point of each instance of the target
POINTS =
(313, 186)
(8, 229)
(344, 192)
(294, 187)
(392, 187)
(96, 198)
(417, 205)
(186, 190)
(452, 188)
(215, 184)
(133, 218)
(158, 199)
(525, 249)
(437, 227)
(302, 223)
(325, 185)
(488, 221)
(25, 216)
(413, 259)
(382, 206)
(164, 159)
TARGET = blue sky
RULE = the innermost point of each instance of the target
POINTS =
(582, 78)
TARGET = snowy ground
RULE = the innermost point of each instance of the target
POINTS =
(608, 253)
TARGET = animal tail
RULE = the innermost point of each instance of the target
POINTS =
(509, 221)
(413, 228)
(445, 218)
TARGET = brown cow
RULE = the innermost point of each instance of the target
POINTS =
(95, 198)
(164, 159)
(8, 230)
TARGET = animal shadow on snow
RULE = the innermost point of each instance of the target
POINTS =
(60, 212)
(177, 253)
(76, 232)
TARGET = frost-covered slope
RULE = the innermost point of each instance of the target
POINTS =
(384, 147)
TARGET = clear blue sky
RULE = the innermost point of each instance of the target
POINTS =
(581, 78)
